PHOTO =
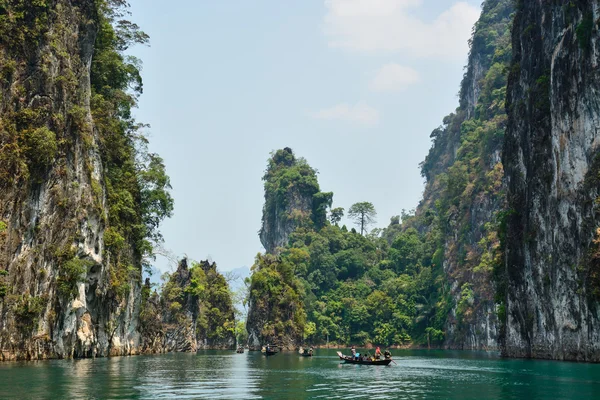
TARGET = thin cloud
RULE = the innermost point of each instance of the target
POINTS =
(394, 78)
(389, 25)
(359, 112)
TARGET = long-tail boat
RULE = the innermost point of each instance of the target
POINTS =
(369, 361)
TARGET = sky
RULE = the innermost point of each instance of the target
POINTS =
(353, 86)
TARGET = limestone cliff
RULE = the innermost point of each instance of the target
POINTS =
(465, 190)
(72, 227)
(292, 199)
(551, 275)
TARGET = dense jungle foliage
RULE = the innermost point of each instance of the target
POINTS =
(331, 283)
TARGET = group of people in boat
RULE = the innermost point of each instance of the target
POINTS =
(366, 357)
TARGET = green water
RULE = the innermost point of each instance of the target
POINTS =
(226, 375)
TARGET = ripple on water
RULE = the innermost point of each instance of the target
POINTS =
(221, 375)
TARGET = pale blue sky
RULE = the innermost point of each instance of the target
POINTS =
(354, 86)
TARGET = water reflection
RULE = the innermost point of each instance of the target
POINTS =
(227, 375)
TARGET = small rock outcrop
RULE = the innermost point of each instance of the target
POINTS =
(193, 312)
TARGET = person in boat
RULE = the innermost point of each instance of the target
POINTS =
(387, 355)
(377, 353)
(357, 356)
(310, 351)
(353, 352)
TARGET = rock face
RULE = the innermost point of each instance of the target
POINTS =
(289, 199)
(54, 292)
(552, 169)
(276, 225)
(465, 190)
(193, 312)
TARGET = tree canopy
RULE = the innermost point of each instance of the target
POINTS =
(363, 214)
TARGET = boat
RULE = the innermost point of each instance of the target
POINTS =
(268, 351)
(305, 353)
(350, 360)
(240, 350)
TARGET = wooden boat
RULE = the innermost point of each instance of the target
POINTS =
(268, 352)
(305, 353)
(240, 350)
(350, 360)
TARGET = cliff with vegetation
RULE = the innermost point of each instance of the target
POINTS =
(275, 306)
(292, 199)
(551, 276)
(193, 311)
(331, 284)
(80, 197)
(465, 191)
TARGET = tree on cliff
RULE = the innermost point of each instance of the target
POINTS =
(336, 215)
(363, 214)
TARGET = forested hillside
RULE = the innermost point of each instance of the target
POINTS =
(331, 283)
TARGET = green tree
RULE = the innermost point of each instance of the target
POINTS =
(336, 215)
(309, 330)
(363, 214)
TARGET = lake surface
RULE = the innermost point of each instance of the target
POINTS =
(226, 375)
